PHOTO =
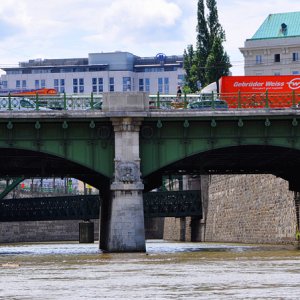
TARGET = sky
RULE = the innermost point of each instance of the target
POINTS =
(32, 29)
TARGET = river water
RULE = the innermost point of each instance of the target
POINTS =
(166, 271)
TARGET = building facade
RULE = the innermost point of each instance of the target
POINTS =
(99, 72)
(275, 47)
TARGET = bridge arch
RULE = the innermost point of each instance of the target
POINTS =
(220, 146)
(42, 143)
(16, 162)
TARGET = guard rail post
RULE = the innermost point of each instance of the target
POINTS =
(293, 99)
(9, 101)
(239, 99)
(267, 100)
(36, 101)
(185, 100)
(65, 101)
(92, 100)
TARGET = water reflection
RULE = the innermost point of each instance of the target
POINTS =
(166, 271)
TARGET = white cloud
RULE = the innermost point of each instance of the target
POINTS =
(73, 28)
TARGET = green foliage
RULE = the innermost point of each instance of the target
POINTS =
(190, 65)
(208, 62)
(217, 63)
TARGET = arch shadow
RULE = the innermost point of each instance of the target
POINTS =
(19, 162)
(244, 159)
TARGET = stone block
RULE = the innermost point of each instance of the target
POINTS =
(126, 101)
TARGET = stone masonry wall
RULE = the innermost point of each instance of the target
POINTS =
(177, 229)
(250, 209)
(42, 231)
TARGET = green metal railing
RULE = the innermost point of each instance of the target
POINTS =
(56, 102)
(238, 100)
(212, 101)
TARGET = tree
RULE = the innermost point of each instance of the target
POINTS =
(214, 27)
(196, 64)
(190, 65)
(202, 44)
(217, 64)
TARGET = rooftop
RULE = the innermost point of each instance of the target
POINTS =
(279, 25)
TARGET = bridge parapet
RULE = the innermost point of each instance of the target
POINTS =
(125, 102)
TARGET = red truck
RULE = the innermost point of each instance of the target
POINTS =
(280, 91)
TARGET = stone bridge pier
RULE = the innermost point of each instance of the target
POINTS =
(122, 218)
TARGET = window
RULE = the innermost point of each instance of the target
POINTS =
(78, 85)
(276, 73)
(13, 72)
(163, 85)
(276, 57)
(141, 85)
(24, 84)
(160, 85)
(295, 72)
(97, 85)
(180, 79)
(40, 71)
(126, 84)
(43, 83)
(111, 84)
(18, 84)
(166, 85)
(59, 85)
(4, 84)
(154, 69)
(147, 85)
(62, 86)
(258, 59)
(94, 85)
(36, 84)
(295, 56)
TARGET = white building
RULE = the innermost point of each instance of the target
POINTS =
(99, 72)
(275, 47)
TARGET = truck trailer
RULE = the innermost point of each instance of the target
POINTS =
(277, 91)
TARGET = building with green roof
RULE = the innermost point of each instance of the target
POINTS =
(275, 47)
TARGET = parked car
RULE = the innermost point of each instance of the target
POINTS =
(208, 104)
(19, 103)
(96, 106)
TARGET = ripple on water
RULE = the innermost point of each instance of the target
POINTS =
(167, 271)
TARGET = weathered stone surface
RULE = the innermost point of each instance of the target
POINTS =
(42, 231)
(125, 101)
(240, 208)
(250, 209)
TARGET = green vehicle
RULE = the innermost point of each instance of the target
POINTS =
(208, 104)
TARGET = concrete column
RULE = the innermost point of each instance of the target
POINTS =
(122, 212)
(125, 231)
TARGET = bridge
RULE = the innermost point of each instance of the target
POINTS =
(126, 148)
(87, 207)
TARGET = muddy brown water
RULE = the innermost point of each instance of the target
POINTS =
(167, 270)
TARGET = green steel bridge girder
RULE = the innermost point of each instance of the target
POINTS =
(34, 147)
(11, 186)
(210, 145)
(83, 147)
